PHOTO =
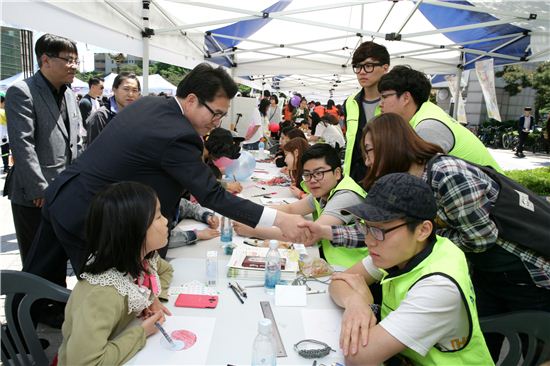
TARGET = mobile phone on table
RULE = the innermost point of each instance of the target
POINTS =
(197, 301)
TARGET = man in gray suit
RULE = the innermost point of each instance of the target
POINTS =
(43, 120)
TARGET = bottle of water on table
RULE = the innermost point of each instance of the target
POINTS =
(272, 267)
(226, 235)
(263, 349)
(261, 148)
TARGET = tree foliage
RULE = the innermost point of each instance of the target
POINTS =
(174, 74)
(516, 78)
(541, 83)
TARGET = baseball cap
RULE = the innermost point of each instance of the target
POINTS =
(395, 196)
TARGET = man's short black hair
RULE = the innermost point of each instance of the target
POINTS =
(267, 93)
(403, 78)
(206, 83)
(322, 151)
(94, 80)
(372, 50)
(53, 45)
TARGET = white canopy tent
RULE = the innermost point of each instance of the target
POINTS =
(294, 45)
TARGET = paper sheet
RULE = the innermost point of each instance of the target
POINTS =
(154, 353)
(290, 295)
(277, 200)
(327, 330)
(189, 225)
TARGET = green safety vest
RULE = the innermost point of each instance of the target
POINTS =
(467, 146)
(340, 256)
(448, 260)
(352, 124)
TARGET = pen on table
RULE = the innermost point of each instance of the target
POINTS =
(166, 335)
(254, 242)
(257, 186)
(241, 290)
(236, 293)
(264, 194)
(234, 179)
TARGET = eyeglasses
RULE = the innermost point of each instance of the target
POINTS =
(376, 232)
(367, 67)
(384, 96)
(317, 175)
(215, 115)
(68, 60)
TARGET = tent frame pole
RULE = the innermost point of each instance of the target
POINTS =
(458, 94)
(146, 38)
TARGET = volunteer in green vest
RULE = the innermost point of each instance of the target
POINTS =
(370, 62)
(428, 312)
(406, 92)
(328, 193)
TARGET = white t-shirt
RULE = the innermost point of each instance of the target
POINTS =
(332, 135)
(432, 313)
(257, 120)
(319, 129)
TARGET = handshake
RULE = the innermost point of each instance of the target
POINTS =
(298, 230)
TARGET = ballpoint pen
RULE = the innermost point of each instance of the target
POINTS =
(264, 194)
(241, 290)
(236, 293)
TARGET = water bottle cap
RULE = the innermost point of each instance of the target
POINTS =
(264, 326)
(273, 244)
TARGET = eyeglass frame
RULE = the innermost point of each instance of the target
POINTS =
(68, 61)
(384, 96)
(215, 115)
(364, 66)
(307, 176)
(374, 231)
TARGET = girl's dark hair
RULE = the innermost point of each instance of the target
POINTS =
(263, 107)
(124, 76)
(396, 147)
(116, 228)
(330, 104)
(275, 98)
(300, 144)
(295, 132)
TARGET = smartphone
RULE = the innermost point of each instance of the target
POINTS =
(197, 301)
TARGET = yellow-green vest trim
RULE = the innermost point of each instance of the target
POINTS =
(467, 146)
(352, 124)
(447, 260)
(340, 256)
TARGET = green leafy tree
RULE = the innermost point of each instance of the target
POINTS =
(541, 83)
(174, 74)
(516, 78)
(85, 76)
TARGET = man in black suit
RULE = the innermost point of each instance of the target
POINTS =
(156, 141)
(525, 125)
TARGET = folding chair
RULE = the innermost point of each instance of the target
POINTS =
(535, 325)
(20, 343)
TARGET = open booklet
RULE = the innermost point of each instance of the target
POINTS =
(248, 262)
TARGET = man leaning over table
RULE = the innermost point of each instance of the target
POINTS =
(428, 312)
(156, 141)
(329, 191)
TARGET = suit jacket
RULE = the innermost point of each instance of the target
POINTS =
(149, 141)
(521, 121)
(40, 143)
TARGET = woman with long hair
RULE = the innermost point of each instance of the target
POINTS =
(257, 127)
(293, 150)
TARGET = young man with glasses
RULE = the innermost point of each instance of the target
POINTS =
(428, 312)
(370, 62)
(329, 191)
(43, 120)
(406, 92)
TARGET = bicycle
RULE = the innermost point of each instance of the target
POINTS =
(510, 139)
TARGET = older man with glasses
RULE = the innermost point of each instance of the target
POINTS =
(43, 118)
(370, 62)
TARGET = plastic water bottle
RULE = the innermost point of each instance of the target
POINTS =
(272, 267)
(261, 149)
(226, 235)
(263, 349)
(211, 268)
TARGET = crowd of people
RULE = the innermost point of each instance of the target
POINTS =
(402, 197)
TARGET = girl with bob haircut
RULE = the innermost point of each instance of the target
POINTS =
(123, 278)
(293, 150)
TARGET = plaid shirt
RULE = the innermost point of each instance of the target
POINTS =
(465, 196)
(347, 236)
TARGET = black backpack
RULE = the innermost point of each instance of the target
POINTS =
(520, 215)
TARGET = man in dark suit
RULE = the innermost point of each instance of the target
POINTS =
(524, 127)
(43, 119)
(89, 103)
(156, 141)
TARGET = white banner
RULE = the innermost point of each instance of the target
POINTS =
(461, 111)
(486, 76)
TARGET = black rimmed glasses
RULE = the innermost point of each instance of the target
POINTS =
(215, 115)
(376, 232)
(386, 95)
(68, 60)
(318, 175)
(368, 67)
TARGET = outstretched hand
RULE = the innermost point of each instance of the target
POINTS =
(316, 232)
(292, 226)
